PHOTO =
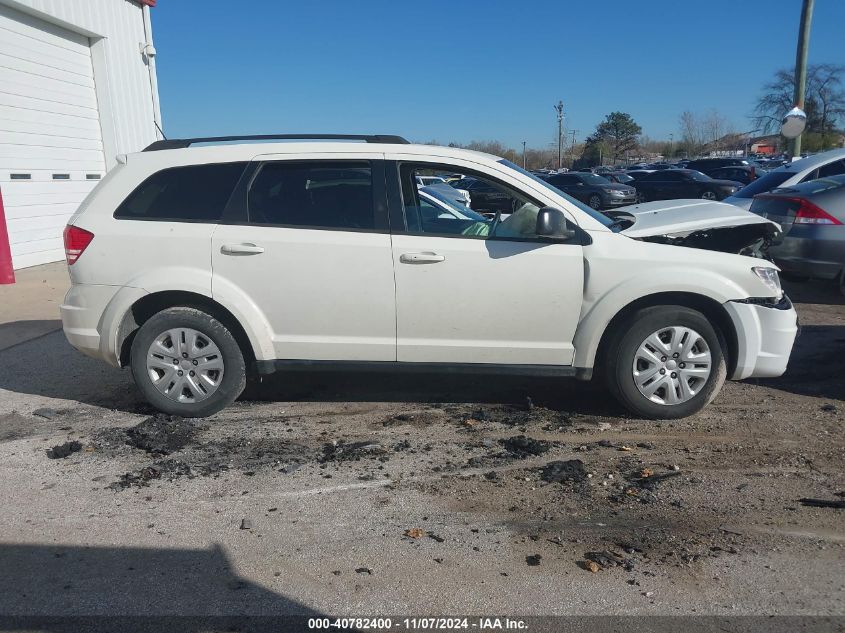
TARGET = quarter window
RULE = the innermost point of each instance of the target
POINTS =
(196, 193)
(332, 195)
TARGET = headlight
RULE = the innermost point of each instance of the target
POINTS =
(769, 276)
(613, 192)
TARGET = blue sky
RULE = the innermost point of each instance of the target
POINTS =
(470, 70)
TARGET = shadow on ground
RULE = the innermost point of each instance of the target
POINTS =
(817, 365)
(48, 366)
(39, 584)
(15, 332)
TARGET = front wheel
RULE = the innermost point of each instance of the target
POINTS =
(708, 195)
(667, 363)
(641, 197)
(595, 202)
(187, 363)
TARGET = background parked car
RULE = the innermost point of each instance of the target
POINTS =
(596, 191)
(812, 217)
(822, 165)
(672, 184)
(740, 173)
(638, 174)
(619, 177)
(484, 197)
(446, 188)
(704, 165)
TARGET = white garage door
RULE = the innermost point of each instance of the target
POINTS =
(51, 150)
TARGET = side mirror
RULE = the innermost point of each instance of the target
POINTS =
(552, 224)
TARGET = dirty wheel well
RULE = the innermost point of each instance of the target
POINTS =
(708, 307)
(152, 304)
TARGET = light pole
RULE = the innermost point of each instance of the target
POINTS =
(523, 154)
(559, 110)
(801, 65)
(671, 145)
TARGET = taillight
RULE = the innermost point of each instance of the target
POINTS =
(76, 241)
(808, 213)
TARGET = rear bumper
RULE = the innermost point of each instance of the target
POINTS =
(91, 318)
(765, 335)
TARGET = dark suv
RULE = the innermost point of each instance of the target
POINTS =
(596, 191)
(706, 165)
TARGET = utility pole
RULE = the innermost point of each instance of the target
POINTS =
(559, 110)
(572, 148)
(523, 154)
(671, 145)
(801, 65)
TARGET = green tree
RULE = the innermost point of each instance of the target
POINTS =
(616, 135)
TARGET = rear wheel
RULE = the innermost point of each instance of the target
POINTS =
(667, 363)
(187, 363)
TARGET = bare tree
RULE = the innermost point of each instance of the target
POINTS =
(824, 101)
(691, 133)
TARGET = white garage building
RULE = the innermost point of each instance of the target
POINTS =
(77, 88)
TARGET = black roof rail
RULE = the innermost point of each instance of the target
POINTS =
(179, 143)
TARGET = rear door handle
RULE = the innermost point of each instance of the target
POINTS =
(421, 258)
(241, 249)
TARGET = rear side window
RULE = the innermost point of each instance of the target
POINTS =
(195, 193)
(315, 194)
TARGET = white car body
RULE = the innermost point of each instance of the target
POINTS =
(304, 295)
(830, 163)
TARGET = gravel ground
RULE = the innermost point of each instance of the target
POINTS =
(380, 494)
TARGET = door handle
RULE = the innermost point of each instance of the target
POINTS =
(241, 249)
(421, 258)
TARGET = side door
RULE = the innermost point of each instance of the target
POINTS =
(676, 185)
(480, 290)
(305, 241)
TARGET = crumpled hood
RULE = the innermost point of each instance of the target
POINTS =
(678, 217)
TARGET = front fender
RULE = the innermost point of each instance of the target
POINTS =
(598, 311)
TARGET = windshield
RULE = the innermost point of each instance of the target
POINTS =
(596, 215)
(594, 179)
(765, 183)
(697, 175)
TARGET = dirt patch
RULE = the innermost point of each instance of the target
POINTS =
(161, 434)
(62, 451)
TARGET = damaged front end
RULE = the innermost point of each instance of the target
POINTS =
(703, 224)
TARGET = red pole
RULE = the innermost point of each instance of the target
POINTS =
(7, 273)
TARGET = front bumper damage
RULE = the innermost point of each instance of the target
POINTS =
(766, 330)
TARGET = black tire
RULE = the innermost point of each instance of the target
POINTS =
(709, 195)
(595, 202)
(620, 355)
(641, 196)
(234, 373)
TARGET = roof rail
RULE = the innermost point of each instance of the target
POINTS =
(178, 143)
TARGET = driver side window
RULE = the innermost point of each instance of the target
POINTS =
(473, 206)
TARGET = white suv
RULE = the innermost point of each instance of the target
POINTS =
(200, 267)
